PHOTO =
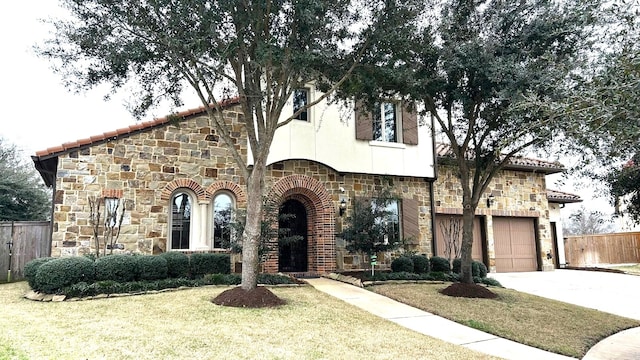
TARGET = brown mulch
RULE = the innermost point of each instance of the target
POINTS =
(259, 297)
(468, 291)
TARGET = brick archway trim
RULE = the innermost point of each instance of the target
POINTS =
(238, 192)
(323, 253)
(201, 193)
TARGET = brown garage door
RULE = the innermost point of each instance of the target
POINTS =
(515, 244)
(444, 222)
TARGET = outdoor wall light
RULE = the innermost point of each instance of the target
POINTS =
(343, 206)
(490, 200)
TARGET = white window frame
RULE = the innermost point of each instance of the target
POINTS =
(396, 205)
(233, 207)
(193, 220)
(307, 111)
(378, 119)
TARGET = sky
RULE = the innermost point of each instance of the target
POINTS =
(38, 112)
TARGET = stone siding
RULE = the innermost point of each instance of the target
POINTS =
(145, 168)
(515, 194)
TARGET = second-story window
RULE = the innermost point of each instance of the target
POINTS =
(385, 123)
(301, 99)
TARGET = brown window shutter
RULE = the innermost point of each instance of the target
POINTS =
(364, 122)
(410, 227)
(409, 125)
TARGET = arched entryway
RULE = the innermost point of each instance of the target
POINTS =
(293, 237)
(309, 194)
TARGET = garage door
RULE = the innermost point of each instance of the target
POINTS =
(447, 224)
(515, 244)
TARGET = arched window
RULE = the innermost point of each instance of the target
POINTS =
(223, 213)
(181, 220)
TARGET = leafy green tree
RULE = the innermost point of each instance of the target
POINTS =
(624, 185)
(257, 51)
(23, 195)
(485, 72)
(373, 225)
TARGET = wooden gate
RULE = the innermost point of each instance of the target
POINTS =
(29, 239)
(618, 248)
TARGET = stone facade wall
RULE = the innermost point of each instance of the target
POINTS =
(516, 194)
(146, 167)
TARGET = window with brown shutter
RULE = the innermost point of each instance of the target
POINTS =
(410, 215)
(364, 122)
(409, 126)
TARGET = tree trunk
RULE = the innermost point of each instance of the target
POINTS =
(251, 234)
(468, 214)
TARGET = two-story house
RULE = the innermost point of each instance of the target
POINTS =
(180, 183)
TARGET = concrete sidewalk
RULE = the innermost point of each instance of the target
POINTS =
(429, 324)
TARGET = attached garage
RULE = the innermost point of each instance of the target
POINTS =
(444, 224)
(515, 244)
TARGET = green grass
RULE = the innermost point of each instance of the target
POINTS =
(543, 323)
(186, 325)
(630, 269)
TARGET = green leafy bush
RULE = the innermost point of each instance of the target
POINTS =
(456, 266)
(420, 264)
(151, 267)
(222, 279)
(120, 268)
(490, 281)
(202, 264)
(177, 264)
(479, 269)
(56, 274)
(402, 264)
(31, 269)
(274, 279)
(439, 264)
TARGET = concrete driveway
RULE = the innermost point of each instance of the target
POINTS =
(609, 292)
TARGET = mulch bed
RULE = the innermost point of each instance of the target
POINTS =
(468, 291)
(260, 297)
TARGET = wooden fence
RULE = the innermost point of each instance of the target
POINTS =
(30, 240)
(618, 248)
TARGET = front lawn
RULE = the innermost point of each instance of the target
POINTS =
(629, 269)
(186, 325)
(543, 323)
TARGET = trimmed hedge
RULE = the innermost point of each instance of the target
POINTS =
(439, 264)
(420, 264)
(56, 274)
(177, 264)
(477, 268)
(120, 268)
(151, 267)
(202, 264)
(402, 264)
(31, 269)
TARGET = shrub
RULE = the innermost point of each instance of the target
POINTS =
(420, 264)
(151, 267)
(120, 268)
(490, 281)
(31, 269)
(177, 264)
(402, 264)
(274, 279)
(222, 279)
(456, 266)
(202, 264)
(439, 264)
(56, 274)
(479, 269)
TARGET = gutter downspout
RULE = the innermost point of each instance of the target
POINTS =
(431, 192)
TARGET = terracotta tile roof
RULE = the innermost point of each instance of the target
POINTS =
(135, 128)
(515, 163)
(562, 197)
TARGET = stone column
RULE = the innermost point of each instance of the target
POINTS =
(200, 235)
